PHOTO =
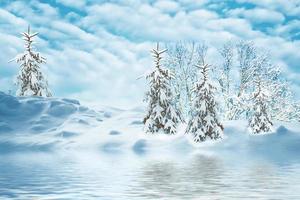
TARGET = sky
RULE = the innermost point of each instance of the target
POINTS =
(97, 50)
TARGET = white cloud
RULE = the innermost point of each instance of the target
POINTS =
(192, 4)
(258, 15)
(8, 18)
(290, 30)
(72, 3)
(167, 6)
(288, 7)
(142, 26)
(202, 14)
(75, 32)
(34, 11)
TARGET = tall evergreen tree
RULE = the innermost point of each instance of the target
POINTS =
(162, 114)
(30, 80)
(204, 121)
(260, 120)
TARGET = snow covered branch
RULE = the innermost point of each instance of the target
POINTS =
(162, 115)
(204, 122)
(31, 81)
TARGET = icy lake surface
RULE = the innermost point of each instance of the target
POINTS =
(120, 177)
(58, 149)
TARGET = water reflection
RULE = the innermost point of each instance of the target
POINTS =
(120, 177)
(200, 176)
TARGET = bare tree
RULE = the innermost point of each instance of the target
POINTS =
(243, 58)
(246, 54)
(181, 59)
(224, 79)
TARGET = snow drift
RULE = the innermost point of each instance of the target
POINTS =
(56, 125)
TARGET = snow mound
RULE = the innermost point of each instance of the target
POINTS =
(37, 123)
(56, 125)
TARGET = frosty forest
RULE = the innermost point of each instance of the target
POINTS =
(149, 99)
(245, 86)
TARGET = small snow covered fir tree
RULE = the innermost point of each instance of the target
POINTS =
(204, 122)
(162, 114)
(260, 120)
(30, 80)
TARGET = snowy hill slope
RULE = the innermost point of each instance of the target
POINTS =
(39, 124)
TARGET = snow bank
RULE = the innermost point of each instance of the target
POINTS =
(37, 123)
(52, 124)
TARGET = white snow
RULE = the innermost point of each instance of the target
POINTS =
(58, 125)
(55, 148)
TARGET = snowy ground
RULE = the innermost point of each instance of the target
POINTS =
(49, 133)
(39, 124)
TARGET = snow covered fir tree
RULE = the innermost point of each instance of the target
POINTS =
(162, 115)
(260, 121)
(204, 121)
(30, 80)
